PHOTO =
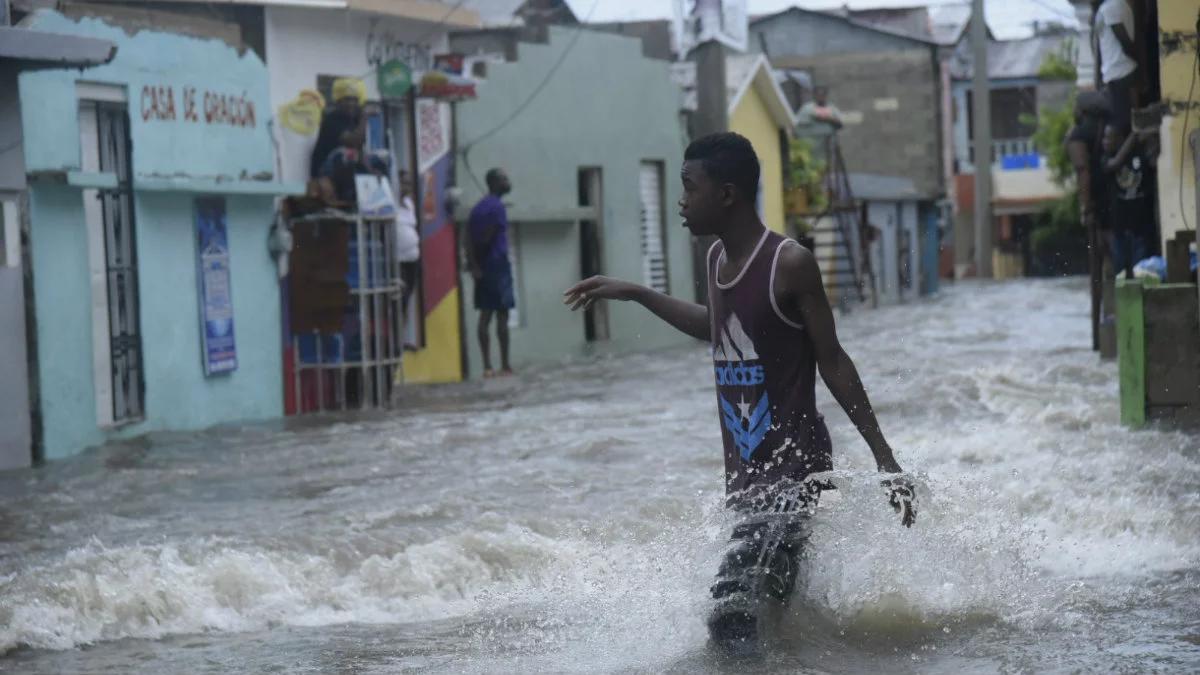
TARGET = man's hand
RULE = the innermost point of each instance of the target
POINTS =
(584, 293)
(902, 497)
(476, 273)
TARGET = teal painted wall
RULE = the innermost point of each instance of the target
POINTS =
(178, 394)
(570, 125)
(167, 147)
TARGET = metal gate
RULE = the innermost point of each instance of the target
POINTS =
(120, 262)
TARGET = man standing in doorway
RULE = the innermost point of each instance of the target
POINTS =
(487, 255)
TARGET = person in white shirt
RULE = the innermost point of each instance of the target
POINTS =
(406, 242)
(1113, 32)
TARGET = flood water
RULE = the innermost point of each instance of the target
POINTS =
(570, 521)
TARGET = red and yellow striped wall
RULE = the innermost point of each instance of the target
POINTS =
(441, 358)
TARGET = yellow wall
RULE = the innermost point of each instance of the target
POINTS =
(1176, 77)
(752, 120)
(441, 360)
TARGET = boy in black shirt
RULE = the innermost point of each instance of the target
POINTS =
(1129, 212)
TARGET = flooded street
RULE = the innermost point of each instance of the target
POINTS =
(570, 520)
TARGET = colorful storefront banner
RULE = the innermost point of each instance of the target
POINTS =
(217, 345)
(447, 81)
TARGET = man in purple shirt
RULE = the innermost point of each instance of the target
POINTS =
(487, 255)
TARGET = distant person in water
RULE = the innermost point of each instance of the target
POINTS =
(771, 330)
(487, 255)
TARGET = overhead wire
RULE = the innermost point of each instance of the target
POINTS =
(466, 148)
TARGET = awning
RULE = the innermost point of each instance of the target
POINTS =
(53, 50)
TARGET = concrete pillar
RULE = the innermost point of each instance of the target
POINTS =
(712, 116)
(981, 95)
(712, 100)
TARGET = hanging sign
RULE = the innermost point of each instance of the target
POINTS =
(395, 79)
(446, 81)
(217, 345)
(303, 115)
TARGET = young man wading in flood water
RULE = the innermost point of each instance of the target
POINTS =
(771, 330)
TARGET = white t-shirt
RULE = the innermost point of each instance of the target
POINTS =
(407, 244)
(1114, 62)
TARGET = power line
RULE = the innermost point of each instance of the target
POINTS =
(466, 150)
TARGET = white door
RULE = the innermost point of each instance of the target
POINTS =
(654, 259)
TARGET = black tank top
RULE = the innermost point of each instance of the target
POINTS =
(766, 376)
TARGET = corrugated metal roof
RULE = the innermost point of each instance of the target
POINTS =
(1013, 59)
(850, 20)
(942, 24)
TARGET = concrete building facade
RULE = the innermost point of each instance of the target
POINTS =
(887, 85)
(133, 166)
(586, 177)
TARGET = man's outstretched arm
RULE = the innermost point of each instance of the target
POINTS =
(798, 284)
(688, 317)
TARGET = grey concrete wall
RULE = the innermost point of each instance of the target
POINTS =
(567, 126)
(15, 449)
(800, 33)
(892, 109)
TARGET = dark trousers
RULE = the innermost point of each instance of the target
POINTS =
(1120, 100)
(763, 560)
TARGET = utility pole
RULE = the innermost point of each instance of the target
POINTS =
(982, 114)
(712, 114)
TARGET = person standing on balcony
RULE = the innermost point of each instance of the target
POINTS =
(1113, 32)
(819, 117)
(343, 125)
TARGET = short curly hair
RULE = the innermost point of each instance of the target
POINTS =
(727, 158)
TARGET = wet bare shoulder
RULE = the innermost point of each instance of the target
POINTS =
(796, 272)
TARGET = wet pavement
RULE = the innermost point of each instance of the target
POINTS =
(570, 520)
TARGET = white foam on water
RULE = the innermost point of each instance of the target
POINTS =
(96, 593)
(1038, 513)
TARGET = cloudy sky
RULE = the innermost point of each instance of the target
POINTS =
(1008, 18)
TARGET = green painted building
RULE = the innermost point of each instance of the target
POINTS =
(594, 159)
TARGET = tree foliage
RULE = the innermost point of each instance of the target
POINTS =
(1060, 65)
(1053, 124)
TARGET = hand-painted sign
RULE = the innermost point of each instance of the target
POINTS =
(217, 344)
(395, 79)
(385, 46)
(158, 104)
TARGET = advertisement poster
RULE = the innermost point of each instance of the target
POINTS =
(217, 345)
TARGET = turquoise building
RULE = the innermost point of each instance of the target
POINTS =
(151, 199)
(595, 184)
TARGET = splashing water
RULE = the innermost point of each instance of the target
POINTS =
(571, 521)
